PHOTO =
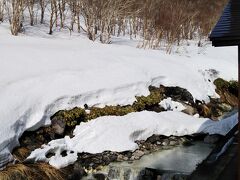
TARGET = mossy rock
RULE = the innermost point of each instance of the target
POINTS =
(221, 84)
(228, 91)
(96, 112)
(153, 99)
(71, 117)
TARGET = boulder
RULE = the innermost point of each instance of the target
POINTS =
(138, 154)
(165, 142)
(172, 143)
(78, 172)
(99, 176)
(179, 94)
(189, 110)
(153, 139)
(58, 126)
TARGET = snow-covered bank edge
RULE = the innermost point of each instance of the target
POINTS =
(114, 133)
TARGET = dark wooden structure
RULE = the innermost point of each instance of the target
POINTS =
(227, 30)
(227, 33)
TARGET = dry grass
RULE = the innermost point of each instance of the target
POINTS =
(21, 153)
(37, 171)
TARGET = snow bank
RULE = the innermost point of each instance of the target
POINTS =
(41, 74)
(119, 133)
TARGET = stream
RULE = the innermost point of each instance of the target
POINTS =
(181, 159)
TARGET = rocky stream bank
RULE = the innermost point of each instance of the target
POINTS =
(64, 122)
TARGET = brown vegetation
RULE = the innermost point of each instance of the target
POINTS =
(158, 22)
(36, 171)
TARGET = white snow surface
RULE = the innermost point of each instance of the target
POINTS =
(119, 133)
(41, 74)
(170, 105)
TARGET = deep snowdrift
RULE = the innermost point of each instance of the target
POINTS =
(119, 133)
(40, 75)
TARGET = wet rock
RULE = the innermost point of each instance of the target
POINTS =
(58, 125)
(127, 174)
(78, 172)
(112, 157)
(212, 139)
(138, 154)
(120, 157)
(174, 176)
(172, 143)
(114, 173)
(165, 142)
(106, 159)
(127, 154)
(99, 176)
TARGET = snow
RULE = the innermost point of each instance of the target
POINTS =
(119, 133)
(41, 74)
(170, 105)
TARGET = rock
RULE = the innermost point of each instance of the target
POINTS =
(106, 159)
(231, 99)
(212, 139)
(228, 91)
(114, 173)
(58, 126)
(153, 139)
(99, 176)
(165, 142)
(189, 110)
(138, 154)
(225, 107)
(172, 143)
(127, 174)
(120, 157)
(97, 160)
(215, 113)
(179, 94)
(112, 157)
(148, 146)
(78, 172)
(204, 110)
(127, 154)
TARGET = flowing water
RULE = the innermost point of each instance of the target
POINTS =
(182, 159)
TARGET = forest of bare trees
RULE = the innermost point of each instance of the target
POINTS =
(155, 21)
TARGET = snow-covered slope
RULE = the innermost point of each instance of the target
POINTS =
(40, 75)
(119, 133)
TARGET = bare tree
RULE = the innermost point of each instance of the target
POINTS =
(52, 14)
(30, 6)
(61, 8)
(42, 4)
(15, 13)
(2, 7)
